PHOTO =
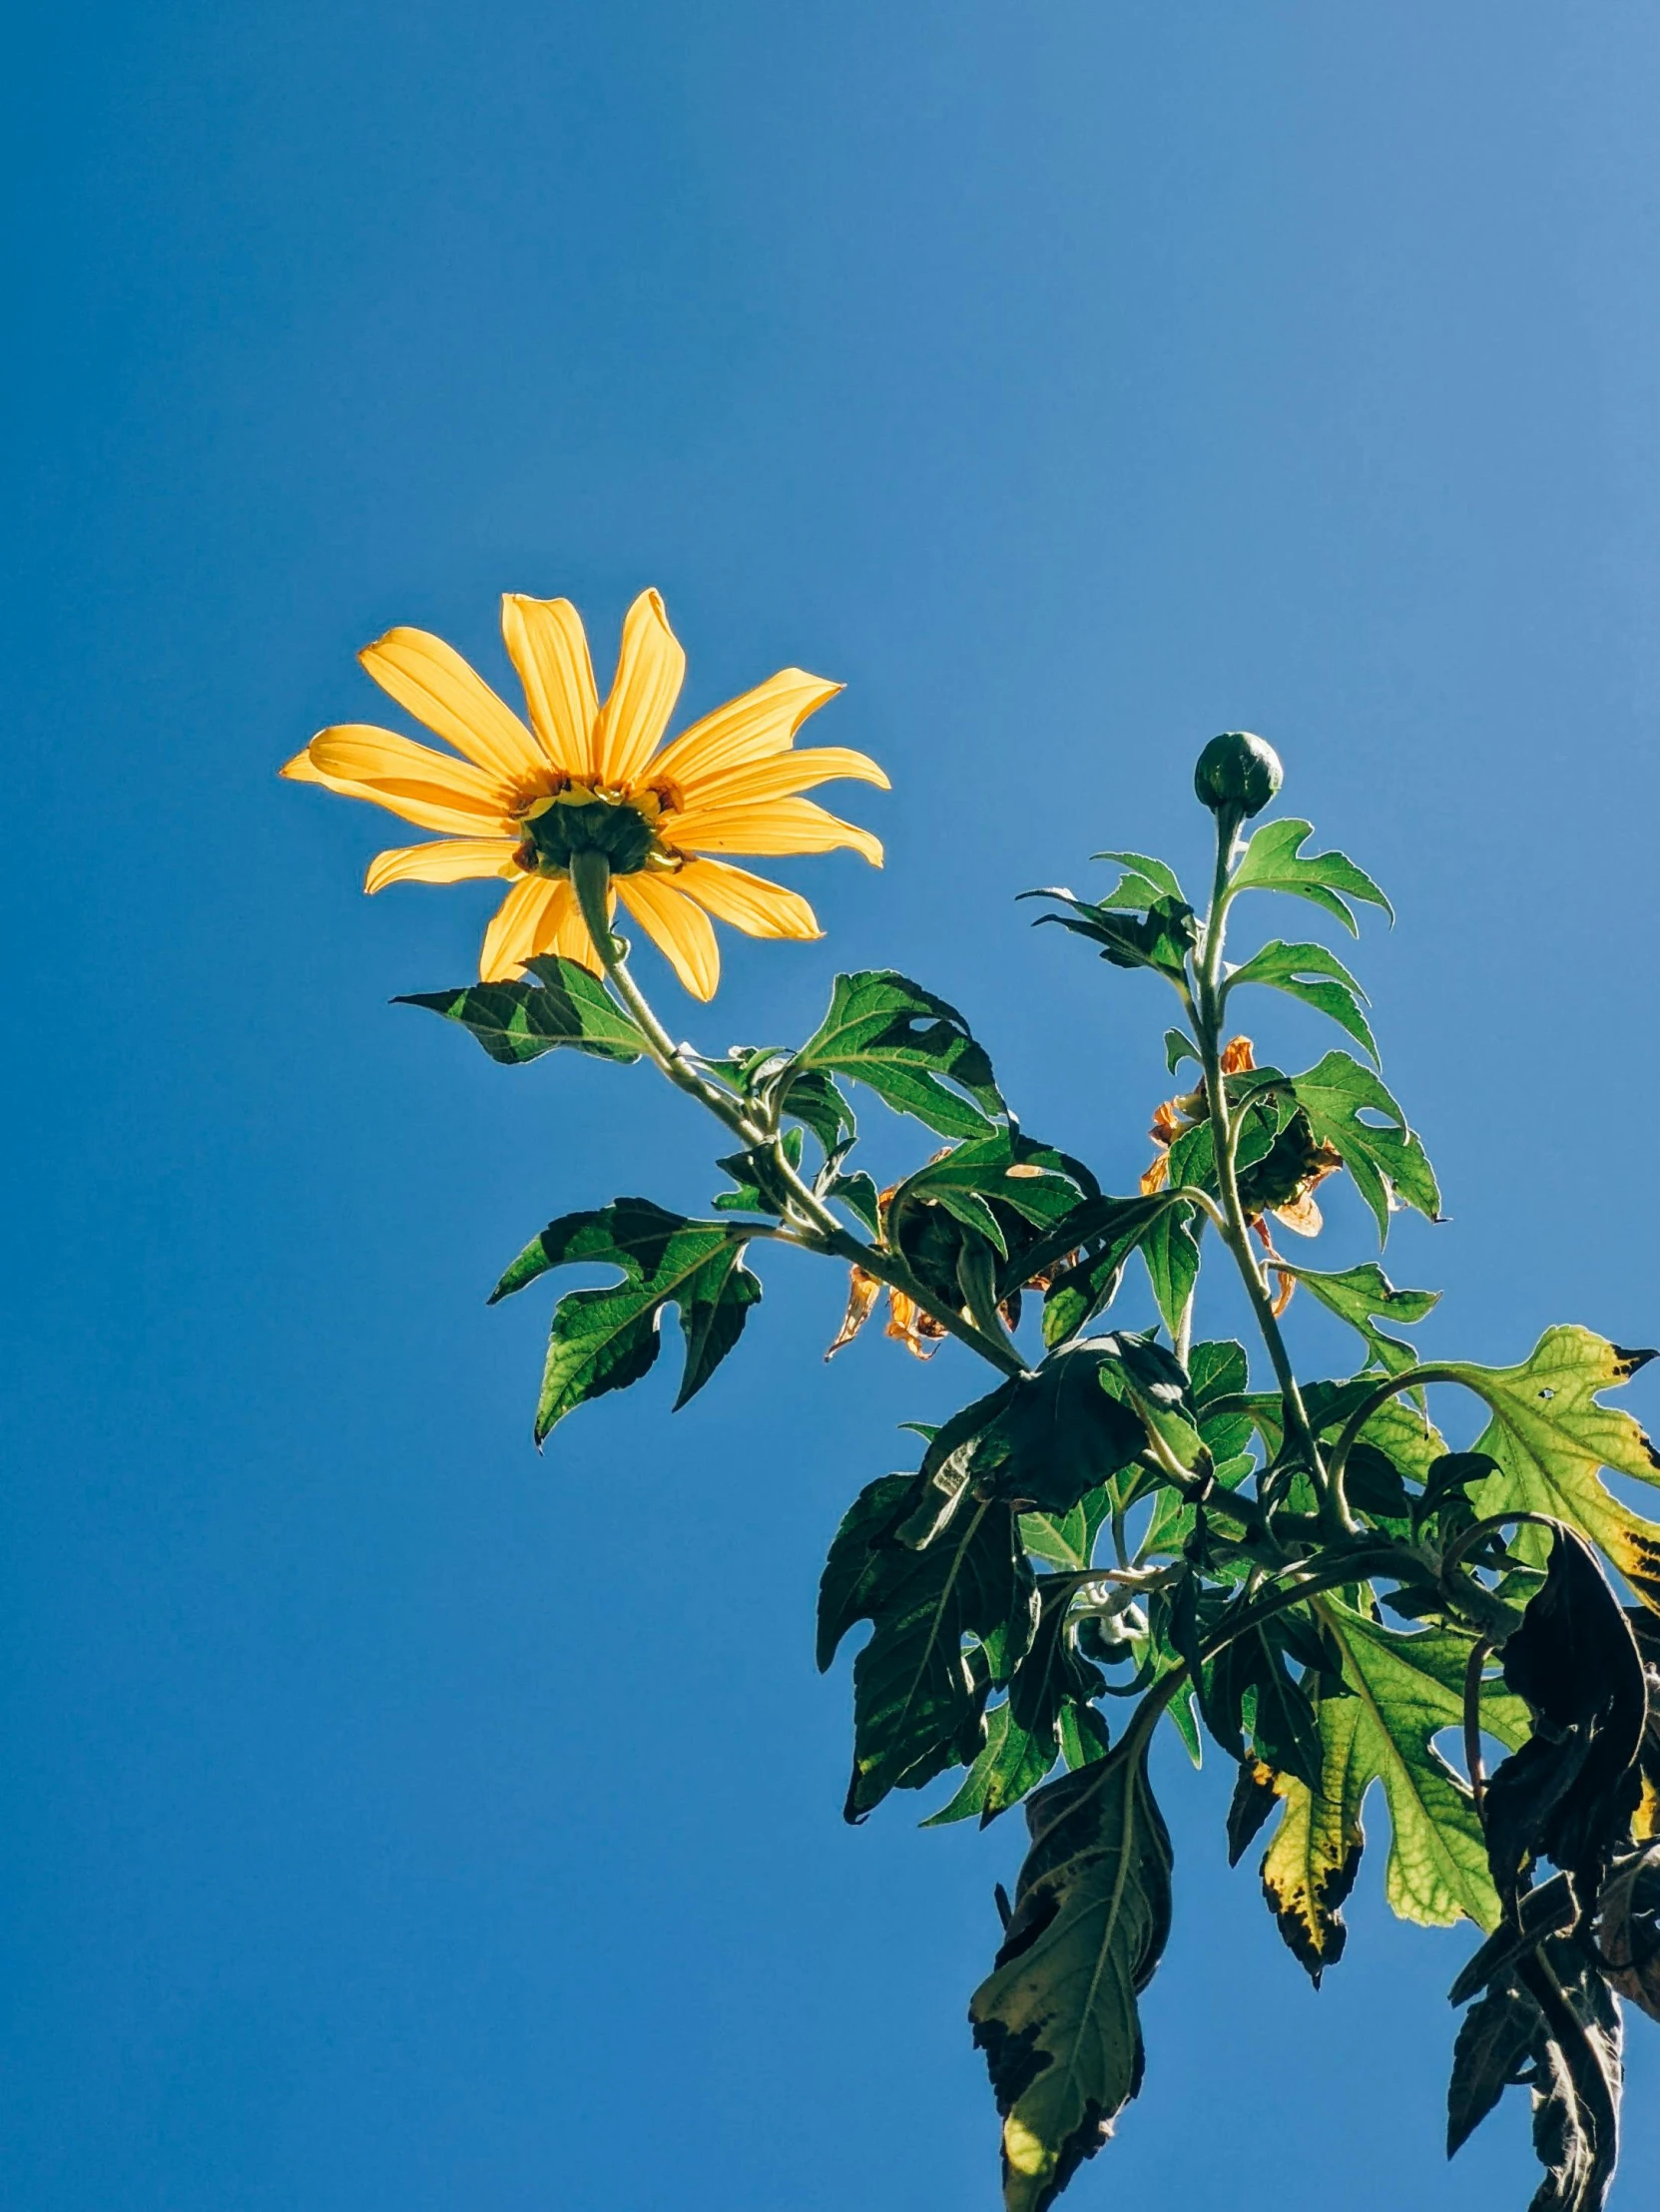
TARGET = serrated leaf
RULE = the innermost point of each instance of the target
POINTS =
(859, 1193)
(1274, 861)
(1406, 1689)
(1364, 1295)
(1160, 939)
(605, 1339)
(1381, 1155)
(911, 1048)
(516, 1022)
(1549, 1437)
(1315, 976)
(916, 1698)
(1057, 2017)
(1313, 1856)
(1009, 1764)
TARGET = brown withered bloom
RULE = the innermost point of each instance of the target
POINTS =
(1296, 1211)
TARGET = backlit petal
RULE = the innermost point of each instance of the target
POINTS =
(434, 789)
(762, 722)
(780, 825)
(451, 861)
(680, 932)
(563, 930)
(510, 939)
(650, 671)
(780, 777)
(749, 903)
(547, 645)
(431, 679)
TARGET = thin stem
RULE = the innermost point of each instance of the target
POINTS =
(1472, 1725)
(1234, 1229)
(591, 880)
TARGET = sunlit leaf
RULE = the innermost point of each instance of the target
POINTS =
(1274, 861)
(1382, 1154)
(605, 1339)
(515, 1022)
(1318, 977)
(911, 1048)
(1364, 1295)
(1057, 2019)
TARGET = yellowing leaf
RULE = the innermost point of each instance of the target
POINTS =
(1550, 1439)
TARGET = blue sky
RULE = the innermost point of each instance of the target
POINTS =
(393, 1818)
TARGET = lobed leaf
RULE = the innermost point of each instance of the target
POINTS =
(1383, 1155)
(605, 1339)
(911, 1048)
(516, 1022)
(1318, 977)
(1274, 861)
(1362, 1295)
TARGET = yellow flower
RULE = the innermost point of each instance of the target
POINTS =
(522, 798)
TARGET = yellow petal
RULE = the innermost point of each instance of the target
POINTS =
(451, 861)
(761, 723)
(780, 825)
(680, 932)
(650, 671)
(563, 930)
(432, 788)
(547, 645)
(432, 681)
(749, 903)
(510, 939)
(782, 777)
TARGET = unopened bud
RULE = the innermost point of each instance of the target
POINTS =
(1238, 771)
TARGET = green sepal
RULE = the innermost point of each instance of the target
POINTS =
(909, 1046)
(607, 1339)
(516, 1022)
(1274, 861)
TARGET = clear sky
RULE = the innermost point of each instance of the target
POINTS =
(394, 1819)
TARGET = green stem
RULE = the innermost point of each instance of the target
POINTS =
(591, 880)
(1234, 1229)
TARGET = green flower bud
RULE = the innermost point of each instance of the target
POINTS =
(1238, 771)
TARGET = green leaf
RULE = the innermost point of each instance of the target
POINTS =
(860, 1197)
(760, 1188)
(1050, 1437)
(1067, 1539)
(819, 1100)
(853, 1569)
(917, 1700)
(1171, 1253)
(1549, 1437)
(605, 1339)
(1057, 2017)
(1179, 1046)
(515, 1022)
(1052, 1673)
(1381, 1157)
(1318, 977)
(1274, 861)
(1493, 2053)
(1104, 1231)
(1363, 1294)
(1311, 1862)
(1406, 1690)
(909, 1046)
(1160, 939)
(1141, 874)
(1009, 1764)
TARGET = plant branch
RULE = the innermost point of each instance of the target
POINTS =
(591, 880)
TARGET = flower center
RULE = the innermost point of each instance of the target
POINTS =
(581, 819)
